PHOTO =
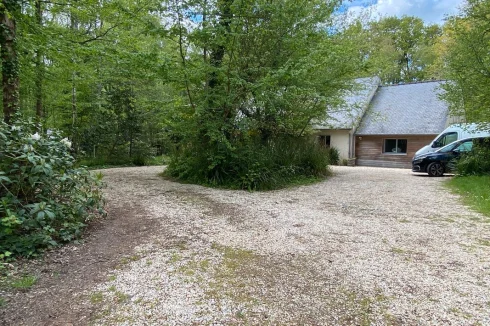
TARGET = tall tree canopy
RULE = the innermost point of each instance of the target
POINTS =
(97, 70)
(397, 49)
(468, 62)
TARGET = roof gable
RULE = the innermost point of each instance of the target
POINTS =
(356, 101)
(406, 109)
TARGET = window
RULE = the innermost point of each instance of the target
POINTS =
(324, 141)
(445, 139)
(395, 146)
(465, 146)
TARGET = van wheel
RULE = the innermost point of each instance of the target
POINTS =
(435, 169)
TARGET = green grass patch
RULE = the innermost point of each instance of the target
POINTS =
(397, 250)
(96, 297)
(25, 282)
(157, 160)
(475, 191)
(120, 297)
(484, 242)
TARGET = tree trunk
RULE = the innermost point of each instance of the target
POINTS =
(74, 110)
(39, 66)
(10, 64)
(73, 107)
(218, 50)
(216, 56)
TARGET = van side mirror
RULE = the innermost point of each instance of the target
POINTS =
(436, 144)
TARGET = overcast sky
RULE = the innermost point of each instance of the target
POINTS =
(431, 11)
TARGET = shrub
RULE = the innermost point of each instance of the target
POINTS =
(142, 154)
(333, 156)
(251, 163)
(44, 199)
(476, 162)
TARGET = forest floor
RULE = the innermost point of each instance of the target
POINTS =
(367, 246)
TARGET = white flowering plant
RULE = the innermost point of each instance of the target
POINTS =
(45, 199)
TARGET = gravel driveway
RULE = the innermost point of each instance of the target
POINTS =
(366, 247)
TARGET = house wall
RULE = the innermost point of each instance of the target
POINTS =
(338, 139)
(369, 150)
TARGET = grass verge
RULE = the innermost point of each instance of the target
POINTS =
(475, 191)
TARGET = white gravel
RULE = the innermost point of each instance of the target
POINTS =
(368, 246)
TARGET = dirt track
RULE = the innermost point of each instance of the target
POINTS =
(366, 247)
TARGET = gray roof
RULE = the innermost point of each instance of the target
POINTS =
(356, 101)
(406, 109)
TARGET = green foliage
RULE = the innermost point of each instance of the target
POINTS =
(252, 165)
(98, 69)
(44, 199)
(266, 72)
(468, 63)
(475, 191)
(104, 163)
(333, 155)
(476, 162)
(396, 49)
(118, 136)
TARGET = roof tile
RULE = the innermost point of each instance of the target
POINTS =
(406, 109)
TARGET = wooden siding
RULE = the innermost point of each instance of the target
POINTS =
(369, 150)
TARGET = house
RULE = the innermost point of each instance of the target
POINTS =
(400, 120)
(340, 125)
(396, 122)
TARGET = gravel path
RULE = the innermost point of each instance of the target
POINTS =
(366, 247)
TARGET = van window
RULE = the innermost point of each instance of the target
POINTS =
(465, 146)
(445, 139)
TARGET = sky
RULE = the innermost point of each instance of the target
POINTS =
(431, 11)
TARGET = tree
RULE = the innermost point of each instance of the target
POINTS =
(255, 72)
(399, 49)
(9, 10)
(73, 55)
(468, 62)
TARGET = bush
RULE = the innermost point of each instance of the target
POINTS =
(44, 199)
(103, 162)
(333, 156)
(142, 154)
(251, 164)
(476, 162)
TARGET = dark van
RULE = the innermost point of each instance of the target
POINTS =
(442, 160)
